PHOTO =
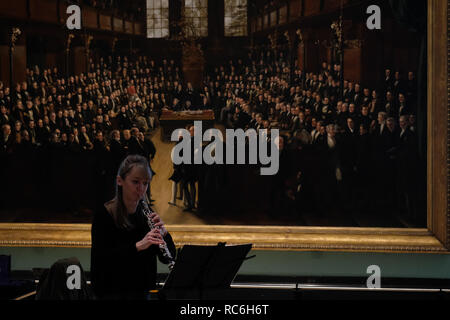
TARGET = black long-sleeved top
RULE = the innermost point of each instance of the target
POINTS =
(118, 270)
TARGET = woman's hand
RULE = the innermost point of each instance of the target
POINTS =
(153, 237)
(159, 224)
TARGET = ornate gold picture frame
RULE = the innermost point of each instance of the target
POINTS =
(434, 239)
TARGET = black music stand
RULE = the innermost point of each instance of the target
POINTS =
(201, 270)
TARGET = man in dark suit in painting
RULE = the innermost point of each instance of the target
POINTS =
(407, 168)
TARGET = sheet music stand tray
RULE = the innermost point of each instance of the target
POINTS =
(201, 270)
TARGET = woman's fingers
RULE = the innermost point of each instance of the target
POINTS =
(155, 237)
(159, 224)
(156, 219)
(155, 240)
(154, 215)
(155, 233)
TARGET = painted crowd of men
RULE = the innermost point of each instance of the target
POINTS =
(369, 135)
(359, 152)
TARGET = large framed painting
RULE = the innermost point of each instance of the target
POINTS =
(431, 237)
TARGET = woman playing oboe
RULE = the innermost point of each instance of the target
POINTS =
(124, 249)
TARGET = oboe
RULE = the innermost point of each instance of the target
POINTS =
(163, 247)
